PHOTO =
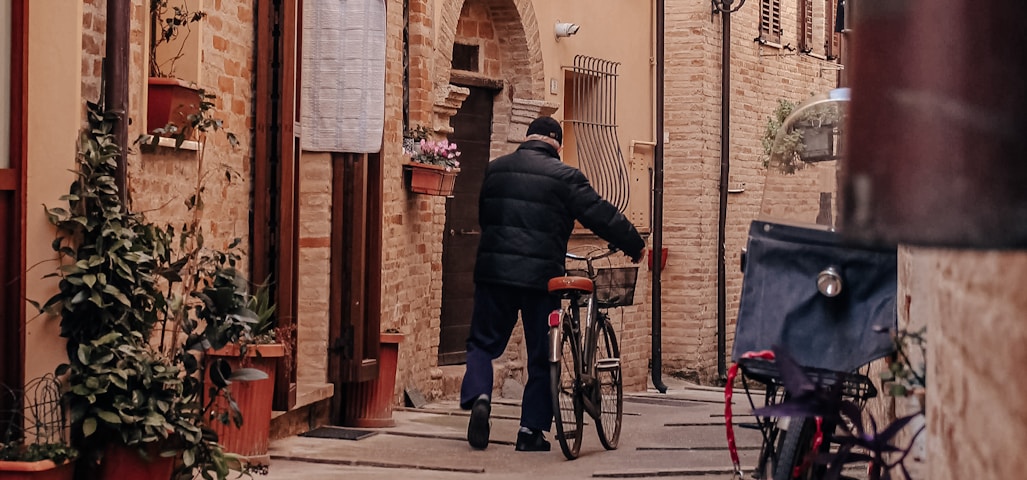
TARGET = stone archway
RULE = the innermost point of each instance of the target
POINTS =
(523, 76)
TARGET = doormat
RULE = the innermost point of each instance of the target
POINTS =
(339, 433)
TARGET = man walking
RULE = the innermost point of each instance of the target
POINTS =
(527, 208)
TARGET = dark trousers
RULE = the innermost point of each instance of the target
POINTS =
(493, 320)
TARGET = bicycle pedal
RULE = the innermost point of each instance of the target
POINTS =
(608, 364)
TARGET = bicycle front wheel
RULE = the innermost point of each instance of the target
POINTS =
(609, 386)
(568, 407)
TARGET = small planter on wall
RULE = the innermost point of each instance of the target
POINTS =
(41, 470)
(170, 100)
(430, 179)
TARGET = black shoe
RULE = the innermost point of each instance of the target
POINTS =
(535, 441)
(478, 426)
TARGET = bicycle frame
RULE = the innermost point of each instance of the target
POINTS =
(572, 312)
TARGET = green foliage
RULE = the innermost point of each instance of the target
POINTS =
(140, 304)
(907, 370)
(784, 145)
(57, 452)
(774, 123)
(260, 303)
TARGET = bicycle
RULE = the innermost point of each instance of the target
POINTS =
(793, 297)
(585, 367)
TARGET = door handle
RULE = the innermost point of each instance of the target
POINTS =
(464, 231)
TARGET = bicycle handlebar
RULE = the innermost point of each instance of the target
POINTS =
(588, 258)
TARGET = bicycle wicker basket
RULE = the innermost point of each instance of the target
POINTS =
(615, 287)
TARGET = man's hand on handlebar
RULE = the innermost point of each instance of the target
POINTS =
(638, 257)
(634, 258)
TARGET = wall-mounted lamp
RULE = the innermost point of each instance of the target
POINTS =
(566, 29)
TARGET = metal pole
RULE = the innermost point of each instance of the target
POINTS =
(725, 170)
(119, 24)
(657, 220)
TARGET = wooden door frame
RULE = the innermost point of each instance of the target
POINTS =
(354, 323)
(274, 244)
(12, 209)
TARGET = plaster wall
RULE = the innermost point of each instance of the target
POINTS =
(972, 303)
(54, 85)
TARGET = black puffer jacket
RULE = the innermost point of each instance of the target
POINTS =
(529, 201)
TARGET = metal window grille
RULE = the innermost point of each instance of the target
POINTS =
(593, 119)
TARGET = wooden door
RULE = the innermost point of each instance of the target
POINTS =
(472, 132)
(275, 218)
(14, 58)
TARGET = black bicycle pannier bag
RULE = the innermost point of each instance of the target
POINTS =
(781, 305)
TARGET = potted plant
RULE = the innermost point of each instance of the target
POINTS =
(369, 404)
(170, 100)
(792, 143)
(36, 461)
(136, 309)
(262, 349)
(433, 165)
(33, 446)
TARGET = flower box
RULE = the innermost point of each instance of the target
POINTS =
(430, 179)
(170, 100)
(41, 470)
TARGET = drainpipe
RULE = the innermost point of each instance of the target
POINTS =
(119, 24)
(725, 7)
(657, 220)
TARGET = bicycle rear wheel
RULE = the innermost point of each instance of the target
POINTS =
(609, 386)
(795, 445)
(568, 407)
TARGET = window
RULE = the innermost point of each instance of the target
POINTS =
(465, 57)
(770, 20)
(816, 27)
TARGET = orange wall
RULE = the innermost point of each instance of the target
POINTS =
(54, 118)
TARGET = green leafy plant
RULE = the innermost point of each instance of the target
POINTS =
(265, 328)
(907, 368)
(56, 452)
(774, 123)
(122, 277)
(169, 24)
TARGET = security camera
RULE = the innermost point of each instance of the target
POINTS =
(566, 29)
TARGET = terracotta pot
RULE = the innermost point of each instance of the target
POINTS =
(369, 404)
(41, 470)
(170, 100)
(126, 463)
(430, 179)
(254, 399)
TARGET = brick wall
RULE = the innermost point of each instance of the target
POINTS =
(760, 76)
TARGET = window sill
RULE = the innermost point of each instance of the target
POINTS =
(146, 141)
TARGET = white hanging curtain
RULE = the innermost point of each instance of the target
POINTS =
(343, 75)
